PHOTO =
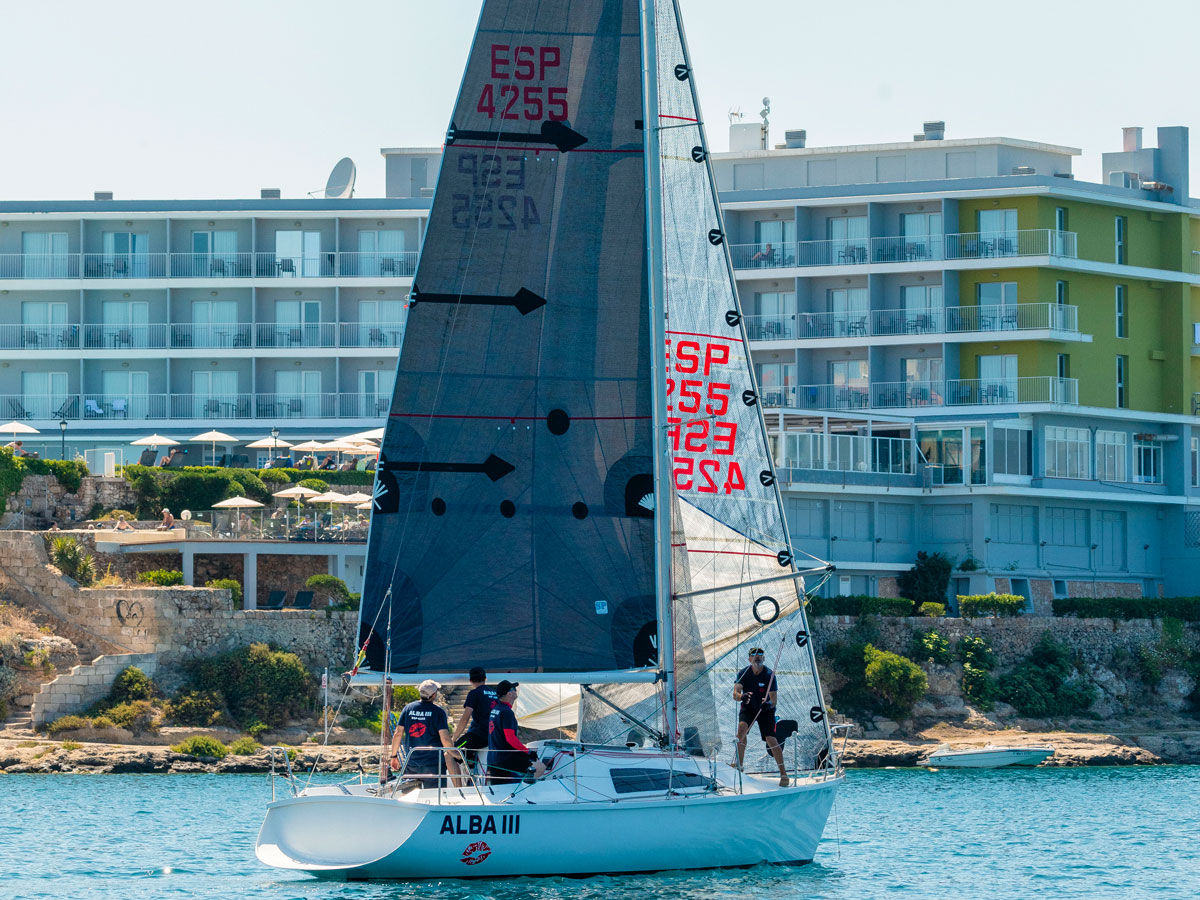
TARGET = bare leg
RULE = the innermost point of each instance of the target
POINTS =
(743, 727)
(777, 752)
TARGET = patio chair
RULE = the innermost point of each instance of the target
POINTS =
(274, 600)
(120, 407)
(92, 409)
(18, 411)
(304, 600)
(387, 266)
(287, 266)
(148, 458)
(178, 459)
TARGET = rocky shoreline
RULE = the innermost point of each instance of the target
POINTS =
(38, 756)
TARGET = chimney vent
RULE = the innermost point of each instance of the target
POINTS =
(102, 195)
(1131, 138)
(919, 137)
(795, 140)
(934, 131)
(269, 194)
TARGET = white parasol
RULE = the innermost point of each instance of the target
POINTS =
(212, 437)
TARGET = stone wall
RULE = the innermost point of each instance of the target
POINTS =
(84, 686)
(1131, 589)
(42, 499)
(288, 573)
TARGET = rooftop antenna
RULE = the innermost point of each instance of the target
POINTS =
(340, 185)
(765, 112)
(735, 113)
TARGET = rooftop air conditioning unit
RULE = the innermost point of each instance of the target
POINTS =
(1024, 170)
(102, 195)
(269, 194)
(795, 140)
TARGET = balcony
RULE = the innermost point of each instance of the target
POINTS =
(130, 407)
(919, 250)
(816, 457)
(124, 266)
(925, 394)
(190, 336)
(891, 322)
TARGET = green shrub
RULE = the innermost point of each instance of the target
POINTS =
(932, 610)
(71, 745)
(67, 472)
(859, 605)
(1043, 686)
(256, 729)
(230, 585)
(930, 646)
(72, 561)
(979, 687)
(38, 658)
(136, 715)
(976, 651)
(131, 684)
(113, 514)
(928, 579)
(244, 746)
(103, 722)
(8, 683)
(897, 681)
(257, 683)
(314, 484)
(295, 476)
(68, 723)
(200, 709)
(1185, 609)
(161, 577)
(201, 745)
(330, 589)
(975, 606)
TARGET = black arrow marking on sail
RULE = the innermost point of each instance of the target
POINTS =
(562, 136)
(523, 301)
(493, 467)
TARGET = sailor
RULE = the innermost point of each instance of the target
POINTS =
(508, 759)
(757, 691)
(471, 732)
(422, 725)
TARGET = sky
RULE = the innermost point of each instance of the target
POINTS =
(166, 100)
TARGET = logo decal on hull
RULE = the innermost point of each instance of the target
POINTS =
(476, 853)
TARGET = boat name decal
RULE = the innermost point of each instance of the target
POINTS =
(508, 824)
(476, 853)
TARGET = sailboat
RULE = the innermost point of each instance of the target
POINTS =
(575, 486)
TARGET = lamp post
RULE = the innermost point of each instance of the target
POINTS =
(62, 427)
(274, 443)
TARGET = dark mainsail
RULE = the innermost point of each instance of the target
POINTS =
(511, 527)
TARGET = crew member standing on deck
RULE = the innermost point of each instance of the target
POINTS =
(471, 732)
(508, 759)
(757, 691)
(422, 727)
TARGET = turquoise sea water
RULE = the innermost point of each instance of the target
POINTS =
(1045, 833)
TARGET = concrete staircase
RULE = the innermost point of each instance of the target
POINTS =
(75, 691)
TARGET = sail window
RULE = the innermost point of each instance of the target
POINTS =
(633, 781)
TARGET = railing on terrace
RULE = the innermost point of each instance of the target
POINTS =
(120, 407)
(917, 249)
(341, 524)
(886, 322)
(847, 453)
(186, 335)
(918, 394)
(328, 264)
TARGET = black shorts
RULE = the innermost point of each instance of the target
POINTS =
(470, 744)
(763, 716)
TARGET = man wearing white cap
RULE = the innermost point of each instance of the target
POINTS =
(421, 726)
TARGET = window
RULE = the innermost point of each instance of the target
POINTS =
(1067, 452)
(44, 324)
(298, 253)
(298, 322)
(215, 393)
(298, 393)
(126, 324)
(849, 308)
(776, 383)
(997, 305)
(1110, 456)
(633, 781)
(126, 253)
(1120, 304)
(44, 254)
(848, 372)
(1060, 219)
(923, 370)
(998, 382)
(1196, 462)
(1066, 526)
(214, 324)
(1122, 381)
(1013, 453)
(942, 449)
(381, 252)
(1062, 293)
(43, 394)
(1120, 232)
(998, 231)
(1147, 462)
(380, 323)
(806, 518)
(126, 394)
(1064, 365)
(922, 234)
(1060, 229)
(1012, 524)
(774, 231)
(375, 390)
(214, 253)
(921, 298)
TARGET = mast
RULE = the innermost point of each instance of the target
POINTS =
(658, 365)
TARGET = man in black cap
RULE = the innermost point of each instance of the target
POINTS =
(757, 691)
(508, 759)
(477, 710)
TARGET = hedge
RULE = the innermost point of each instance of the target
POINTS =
(859, 605)
(13, 469)
(161, 577)
(294, 476)
(1186, 609)
(974, 606)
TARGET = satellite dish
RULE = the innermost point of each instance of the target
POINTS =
(340, 185)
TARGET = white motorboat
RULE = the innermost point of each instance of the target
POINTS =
(562, 502)
(989, 757)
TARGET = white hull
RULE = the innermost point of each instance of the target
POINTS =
(990, 757)
(334, 834)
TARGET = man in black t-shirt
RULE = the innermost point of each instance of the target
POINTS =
(421, 726)
(508, 759)
(471, 732)
(756, 690)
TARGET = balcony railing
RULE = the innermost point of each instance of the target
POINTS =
(948, 320)
(846, 453)
(328, 264)
(187, 335)
(120, 407)
(921, 394)
(918, 249)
